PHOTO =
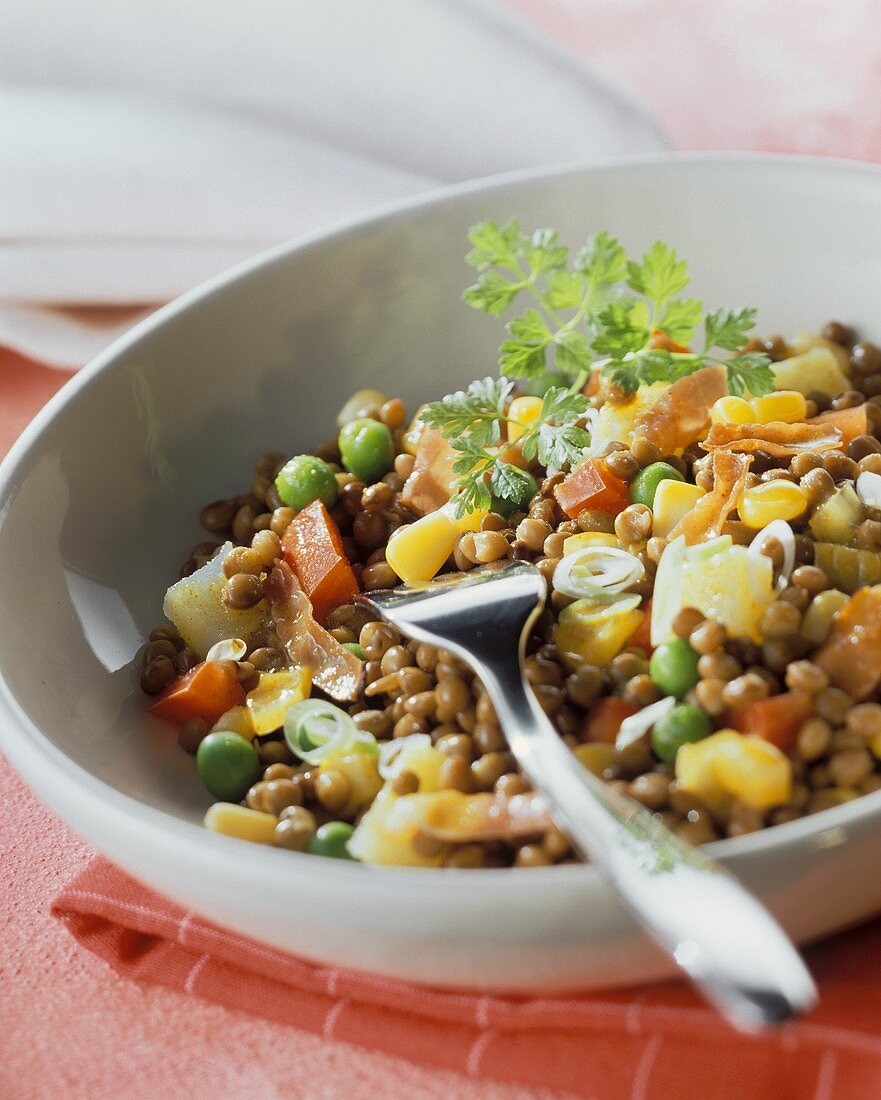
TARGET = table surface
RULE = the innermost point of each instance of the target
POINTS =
(795, 76)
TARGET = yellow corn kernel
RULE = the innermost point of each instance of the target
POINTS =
(673, 499)
(754, 771)
(238, 821)
(470, 521)
(771, 500)
(817, 621)
(274, 694)
(729, 765)
(522, 414)
(788, 406)
(586, 635)
(588, 538)
(732, 410)
(875, 745)
(418, 550)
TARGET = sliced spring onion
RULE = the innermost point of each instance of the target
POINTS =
(639, 724)
(868, 486)
(230, 649)
(780, 530)
(705, 550)
(389, 752)
(597, 571)
(314, 728)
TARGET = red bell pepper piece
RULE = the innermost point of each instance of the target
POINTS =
(206, 691)
(776, 719)
(313, 547)
(605, 717)
(591, 485)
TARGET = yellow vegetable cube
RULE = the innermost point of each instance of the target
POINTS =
(522, 413)
(585, 634)
(589, 538)
(771, 500)
(732, 410)
(695, 770)
(240, 822)
(788, 406)
(729, 765)
(418, 550)
(275, 693)
(816, 369)
(673, 499)
(754, 771)
(362, 771)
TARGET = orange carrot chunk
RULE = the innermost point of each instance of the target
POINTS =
(605, 717)
(591, 485)
(850, 422)
(851, 655)
(313, 547)
(206, 691)
(776, 719)
(641, 637)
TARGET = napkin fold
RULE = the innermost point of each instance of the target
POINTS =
(646, 1044)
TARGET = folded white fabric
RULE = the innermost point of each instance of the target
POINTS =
(146, 146)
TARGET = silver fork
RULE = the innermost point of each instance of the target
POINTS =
(724, 939)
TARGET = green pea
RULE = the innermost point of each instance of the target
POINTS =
(509, 507)
(304, 479)
(683, 724)
(331, 840)
(354, 647)
(645, 483)
(673, 667)
(541, 383)
(227, 764)
(367, 449)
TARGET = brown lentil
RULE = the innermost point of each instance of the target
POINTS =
(295, 829)
(157, 675)
(242, 591)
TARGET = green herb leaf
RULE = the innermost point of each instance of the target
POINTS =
(494, 245)
(573, 351)
(660, 275)
(751, 373)
(493, 293)
(509, 482)
(623, 328)
(680, 317)
(542, 252)
(474, 412)
(603, 260)
(559, 445)
(728, 328)
(565, 289)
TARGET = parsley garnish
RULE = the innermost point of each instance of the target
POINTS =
(472, 420)
(603, 305)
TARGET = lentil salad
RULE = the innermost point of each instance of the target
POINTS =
(709, 528)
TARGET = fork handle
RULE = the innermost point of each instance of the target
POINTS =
(717, 932)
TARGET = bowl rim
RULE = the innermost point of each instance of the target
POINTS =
(30, 750)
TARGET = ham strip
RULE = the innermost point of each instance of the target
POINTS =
(706, 519)
(777, 439)
(333, 668)
(430, 485)
(682, 415)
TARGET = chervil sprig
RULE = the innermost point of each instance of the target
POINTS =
(603, 305)
(473, 420)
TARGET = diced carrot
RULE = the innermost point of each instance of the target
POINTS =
(641, 637)
(851, 655)
(313, 547)
(605, 717)
(850, 422)
(776, 719)
(660, 339)
(591, 485)
(206, 691)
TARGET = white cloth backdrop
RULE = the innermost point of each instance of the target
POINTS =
(147, 144)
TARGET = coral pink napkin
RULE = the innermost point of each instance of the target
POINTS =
(650, 1044)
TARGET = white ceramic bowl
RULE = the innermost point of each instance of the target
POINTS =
(98, 503)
